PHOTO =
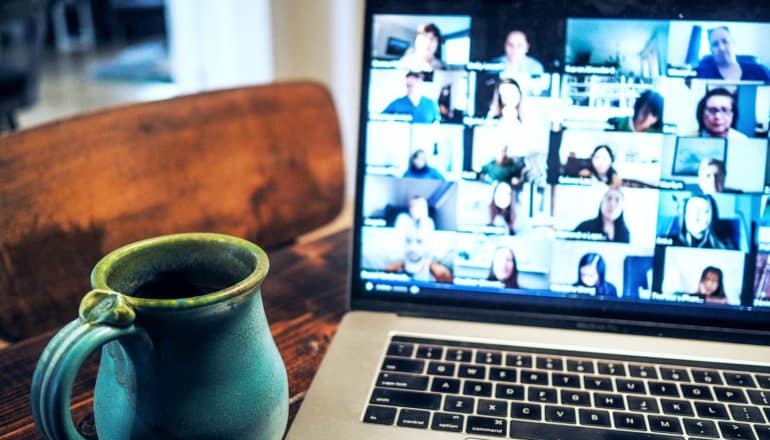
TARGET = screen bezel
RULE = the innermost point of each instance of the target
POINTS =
(622, 316)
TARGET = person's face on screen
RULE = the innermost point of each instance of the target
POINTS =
(415, 249)
(516, 46)
(709, 283)
(426, 44)
(697, 216)
(503, 196)
(412, 86)
(502, 264)
(589, 276)
(718, 115)
(644, 119)
(710, 178)
(509, 95)
(721, 46)
(612, 205)
(418, 208)
(502, 154)
(419, 161)
(601, 161)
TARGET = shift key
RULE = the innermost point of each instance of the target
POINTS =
(410, 399)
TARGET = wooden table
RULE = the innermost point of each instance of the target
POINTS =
(304, 297)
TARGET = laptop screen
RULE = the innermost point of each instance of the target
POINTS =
(511, 159)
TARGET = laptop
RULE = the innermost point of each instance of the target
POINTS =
(542, 247)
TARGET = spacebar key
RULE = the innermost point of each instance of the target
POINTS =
(539, 431)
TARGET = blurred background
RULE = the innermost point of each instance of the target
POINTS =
(59, 58)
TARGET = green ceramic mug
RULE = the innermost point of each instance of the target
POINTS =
(186, 349)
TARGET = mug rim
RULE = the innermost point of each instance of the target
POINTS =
(101, 271)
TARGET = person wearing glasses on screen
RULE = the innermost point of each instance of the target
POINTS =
(647, 117)
(724, 63)
(609, 221)
(504, 268)
(698, 225)
(422, 109)
(423, 55)
(592, 271)
(717, 114)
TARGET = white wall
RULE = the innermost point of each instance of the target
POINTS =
(229, 43)
(321, 40)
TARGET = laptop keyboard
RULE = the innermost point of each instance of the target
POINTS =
(524, 393)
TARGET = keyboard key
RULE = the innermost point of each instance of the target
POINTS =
(759, 397)
(445, 385)
(403, 365)
(565, 380)
(763, 381)
(412, 418)
(472, 371)
(675, 374)
(580, 365)
(697, 392)
(736, 431)
(545, 395)
(630, 386)
(707, 376)
(669, 425)
(518, 360)
(534, 377)
(578, 398)
(743, 413)
(459, 404)
(612, 401)
(380, 415)
(489, 357)
(643, 371)
(763, 432)
(400, 349)
(559, 414)
(740, 380)
(526, 411)
(411, 399)
(594, 417)
(447, 422)
(497, 408)
(550, 363)
(629, 421)
(502, 374)
(441, 369)
(402, 381)
(611, 368)
(666, 389)
(513, 392)
(676, 407)
(486, 426)
(711, 410)
(642, 404)
(458, 355)
(429, 352)
(542, 431)
(597, 383)
(475, 388)
(704, 428)
(730, 395)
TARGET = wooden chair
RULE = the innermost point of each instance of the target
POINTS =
(263, 163)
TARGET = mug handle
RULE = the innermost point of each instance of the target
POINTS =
(104, 316)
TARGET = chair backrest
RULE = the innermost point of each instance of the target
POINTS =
(22, 36)
(264, 163)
